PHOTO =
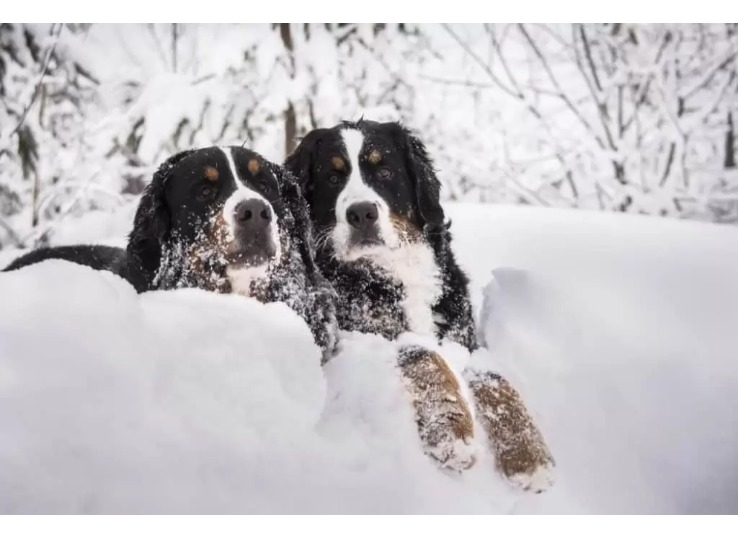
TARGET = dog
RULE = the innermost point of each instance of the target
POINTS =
(222, 219)
(383, 241)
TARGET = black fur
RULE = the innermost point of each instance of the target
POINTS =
(99, 257)
(369, 299)
(151, 228)
(154, 245)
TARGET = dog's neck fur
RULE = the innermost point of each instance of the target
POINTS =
(413, 265)
(241, 279)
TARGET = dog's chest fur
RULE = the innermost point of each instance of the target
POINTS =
(414, 266)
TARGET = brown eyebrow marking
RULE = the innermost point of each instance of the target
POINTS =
(374, 157)
(338, 163)
(254, 166)
(211, 173)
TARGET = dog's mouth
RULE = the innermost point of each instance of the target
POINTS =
(365, 238)
(351, 244)
(366, 248)
(254, 252)
(366, 243)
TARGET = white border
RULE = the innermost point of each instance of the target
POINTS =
(365, 526)
(370, 11)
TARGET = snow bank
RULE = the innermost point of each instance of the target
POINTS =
(619, 332)
(188, 401)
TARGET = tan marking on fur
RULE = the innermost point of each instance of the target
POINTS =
(374, 157)
(518, 445)
(254, 166)
(442, 415)
(405, 228)
(338, 163)
(211, 173)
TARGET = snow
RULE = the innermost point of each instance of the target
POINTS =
(503, 122)
(618, 331)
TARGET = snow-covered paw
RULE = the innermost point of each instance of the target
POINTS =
(518, 446)
(538, 481)
(443, 417)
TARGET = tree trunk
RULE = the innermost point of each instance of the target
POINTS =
(730, 144)
(175, 40)
(290, 119)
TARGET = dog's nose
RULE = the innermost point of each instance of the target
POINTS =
(253, 214)
(362, 215)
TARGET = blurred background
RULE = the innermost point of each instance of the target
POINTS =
(611, 117)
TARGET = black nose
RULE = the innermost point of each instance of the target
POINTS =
(253, 214)
(362, 215)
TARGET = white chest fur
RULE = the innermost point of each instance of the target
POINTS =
(242, 278)
(415, 267)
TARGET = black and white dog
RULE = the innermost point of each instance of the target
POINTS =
(221, 219)
(384, 243)
(381, 234)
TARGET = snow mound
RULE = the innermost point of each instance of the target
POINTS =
(618, 331)
(188, 401)
(115, 402)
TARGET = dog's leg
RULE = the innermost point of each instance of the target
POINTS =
(519, 449)
(443, 417)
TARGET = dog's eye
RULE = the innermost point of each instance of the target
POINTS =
(263, 185)
(334, 179)
(384, 173)
(205, 192)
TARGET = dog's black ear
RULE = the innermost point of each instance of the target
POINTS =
(423, 174)
(301, 227)
(151, 226)
(300, 162)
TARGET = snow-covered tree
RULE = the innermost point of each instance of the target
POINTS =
(618, 117)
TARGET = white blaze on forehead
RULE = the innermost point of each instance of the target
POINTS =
(245, 192)
(242, 194)
(355, 191)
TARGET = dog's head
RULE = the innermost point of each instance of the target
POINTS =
(371, 187)
(212, 218)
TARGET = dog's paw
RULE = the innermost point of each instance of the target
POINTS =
(520, 452)
(450, 453)
(540, 480)
(442, 415)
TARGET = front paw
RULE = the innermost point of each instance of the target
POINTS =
(444, 420)
(537, 481)
(520, 452)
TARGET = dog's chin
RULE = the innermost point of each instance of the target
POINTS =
(349, 246)
(368, 249)
(251, 256)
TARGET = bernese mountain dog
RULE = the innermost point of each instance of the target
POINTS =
(383, 241)
(222, 219)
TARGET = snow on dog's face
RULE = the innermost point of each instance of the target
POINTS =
(370, 187)
(216, 214)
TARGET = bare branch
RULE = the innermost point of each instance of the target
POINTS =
(561, 94)
(47, 60)
(11, 233)
(473, 55)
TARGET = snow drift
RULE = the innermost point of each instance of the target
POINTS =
(618, 331)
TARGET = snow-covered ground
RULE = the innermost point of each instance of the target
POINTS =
(620, 332)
